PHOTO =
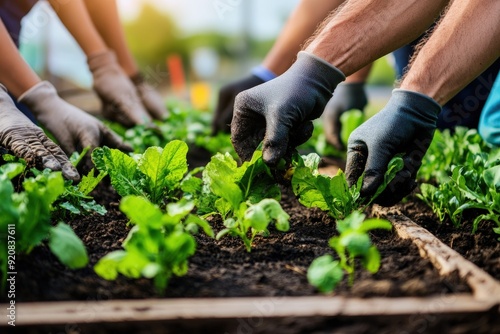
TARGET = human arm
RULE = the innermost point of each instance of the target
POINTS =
(465, 42)
(121, 101)
(299, 27)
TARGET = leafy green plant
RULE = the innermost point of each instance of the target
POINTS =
(28, 213)
(349, 121)
(448, 150)
(156, 174)
(184, 123)
(245, 196)
(159, 244)
(473, 185)
(333, 194)
(353, 243)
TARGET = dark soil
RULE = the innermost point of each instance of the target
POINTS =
(481, 248)
(276, 266)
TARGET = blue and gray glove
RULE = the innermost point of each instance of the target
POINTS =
(406, 125)
(280, 112)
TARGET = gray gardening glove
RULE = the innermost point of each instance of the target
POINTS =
(406, 125)
(225, 104)
(27, 141)
(347, 96)
(121, 103)
(281, 111)
(73, 128)
(150, 98)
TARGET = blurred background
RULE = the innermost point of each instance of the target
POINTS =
(186, 49)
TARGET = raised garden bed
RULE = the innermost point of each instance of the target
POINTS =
(408, 294)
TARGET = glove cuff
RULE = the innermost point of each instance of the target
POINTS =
(263, 73)
(314, 66)
(3, 88)
(418, 101)
(101, 60)
(40, 91)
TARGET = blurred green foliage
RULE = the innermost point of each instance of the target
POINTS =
(382, 73)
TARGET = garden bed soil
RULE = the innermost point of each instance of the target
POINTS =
(276, 266)
(481, 248)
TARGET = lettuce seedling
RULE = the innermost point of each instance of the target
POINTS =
(473, 185)
(28, 214)
(245, 196)
(333, 194)
(353, 243)
(156, 174)
(159, 244)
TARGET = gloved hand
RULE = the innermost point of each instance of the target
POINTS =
(121, 103)
(27, 141)
(347, 96)
(280, 111)
(225, 104)
(406, 125)
(150, 98)
(73, 128)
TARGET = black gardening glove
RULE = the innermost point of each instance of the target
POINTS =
(280, 111)
(225, 104)
(27, 141)
(406, 125)
(347, 96)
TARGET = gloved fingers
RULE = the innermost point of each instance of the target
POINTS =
(301, 134)
(66, 167)
(247, 132)
(402, 184)
(357, 155)
(152, 101)
(26, 145)
(67, 146)
(128, 113)
(111, 139)
(276, 141)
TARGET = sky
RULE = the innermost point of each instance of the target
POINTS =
(267, 16)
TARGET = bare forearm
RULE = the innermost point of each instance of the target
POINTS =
(463, 45)
(299, 27)
(104, 15)
(15, 73)
(360, 76)
(76, 19)
(365, 30)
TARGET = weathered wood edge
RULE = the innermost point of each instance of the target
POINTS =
(445, 259)
(165, 310)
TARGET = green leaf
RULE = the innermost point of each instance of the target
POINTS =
(68, 248)
(90, 181)
(375, 223)
(492, 177)
(356, 243)
(13, 169)
(107, 267)
(192, 219)
(371, 260)
(122, 169)
(142, 212)
(350, 120)
(220, 174)
(305, 188)
(164, 168)
(324, 273)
